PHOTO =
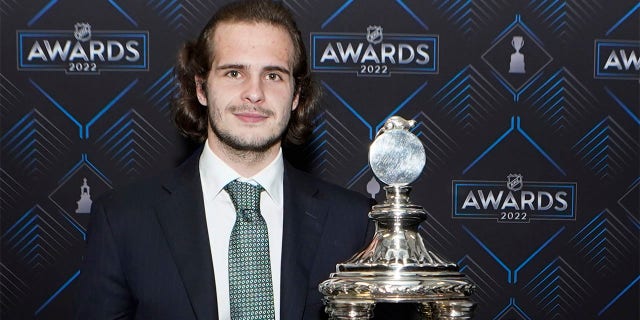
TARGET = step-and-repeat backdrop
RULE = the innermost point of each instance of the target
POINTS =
(528, 110)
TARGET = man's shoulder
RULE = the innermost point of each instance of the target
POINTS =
(135, 194)
(153, 188)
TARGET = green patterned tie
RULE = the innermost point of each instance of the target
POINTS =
(250, 287)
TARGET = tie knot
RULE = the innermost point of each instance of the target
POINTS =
(245, 197)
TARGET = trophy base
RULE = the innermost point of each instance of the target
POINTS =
(342, 309)
(438, 295)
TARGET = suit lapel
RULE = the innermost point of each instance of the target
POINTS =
(304, 218)
(184, 223)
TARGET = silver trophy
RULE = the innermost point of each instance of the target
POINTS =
(517, 58)
(396, 267)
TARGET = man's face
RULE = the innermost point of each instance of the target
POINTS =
(250, 88)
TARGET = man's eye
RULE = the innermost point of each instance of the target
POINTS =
(233, 74)
(274, 76)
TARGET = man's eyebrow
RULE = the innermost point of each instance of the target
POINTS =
(277, 68)
(231, 66)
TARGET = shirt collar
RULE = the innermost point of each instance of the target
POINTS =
(216, 174)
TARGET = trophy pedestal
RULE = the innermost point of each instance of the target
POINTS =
(437, 296)
(396, 267)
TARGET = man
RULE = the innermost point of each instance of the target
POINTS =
(164, 248)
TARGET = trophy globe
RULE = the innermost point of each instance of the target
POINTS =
(397, 267)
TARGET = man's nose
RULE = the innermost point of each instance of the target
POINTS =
(253, 90)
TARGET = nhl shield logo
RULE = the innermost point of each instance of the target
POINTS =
(82, 31)
(374, 34)
(514, 182)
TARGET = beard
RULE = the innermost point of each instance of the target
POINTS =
(238, 143)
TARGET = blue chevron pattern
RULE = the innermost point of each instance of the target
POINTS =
(606, 241)
(558, 289)
(132, 142)
(10, 95)
(607, 149)
(8, 6)
(470, 16)
(468, 99)
(565, 18)
(439, 146)
(561, 100)
(437, 237)
(13, 289)
(488, 288)
(38, 239)
(181, 15)
(161, 91)
(333, 145)
(34, 143)
(11, 191)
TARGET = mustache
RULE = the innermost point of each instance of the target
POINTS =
(251, 108)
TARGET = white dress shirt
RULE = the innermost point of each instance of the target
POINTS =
(221, 216)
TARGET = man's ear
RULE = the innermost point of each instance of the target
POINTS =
(200, 90)
(296, 100)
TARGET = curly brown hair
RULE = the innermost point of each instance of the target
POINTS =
(196, 57)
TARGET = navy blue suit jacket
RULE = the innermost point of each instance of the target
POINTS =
(149, 257)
